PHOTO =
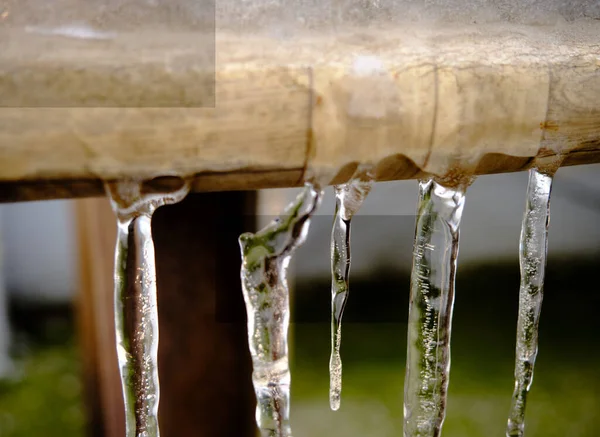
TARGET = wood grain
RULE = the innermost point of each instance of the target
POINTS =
(97, 234)
(410, 101)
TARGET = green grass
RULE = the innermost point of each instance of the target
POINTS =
(563, 402)
(45, 400)
(565, 397)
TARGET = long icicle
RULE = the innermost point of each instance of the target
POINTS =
(349, 198)
(136, 316)
(431, 302)
(532, 258)
(265, 259)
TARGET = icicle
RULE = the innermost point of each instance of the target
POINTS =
(431, 301)
(349, 198)
(265, 258)
(136, 317)
(532, 258)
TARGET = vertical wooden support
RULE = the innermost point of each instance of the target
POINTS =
(103, 398)
(205, 369)
(204, 364)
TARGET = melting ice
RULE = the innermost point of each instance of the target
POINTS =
(349, 197)
(431, 302)
(136, 316)
(532, 258)
(265, 259)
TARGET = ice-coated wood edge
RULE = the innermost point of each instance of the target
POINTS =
(464, 100)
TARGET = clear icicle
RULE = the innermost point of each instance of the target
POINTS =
(431, 302)
(532, 258)
(265, 259)
(349, 198)
(136, 316)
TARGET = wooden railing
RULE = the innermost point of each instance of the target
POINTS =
(481, 99)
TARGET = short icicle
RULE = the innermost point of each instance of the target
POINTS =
(532, 259)
(265, 259)
(431, 303)
(136, 316)
(349, 198)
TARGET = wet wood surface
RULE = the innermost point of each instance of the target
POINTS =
(410, 101)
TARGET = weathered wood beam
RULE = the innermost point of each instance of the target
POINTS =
(409, 101)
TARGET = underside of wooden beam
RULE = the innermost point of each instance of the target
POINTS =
(396, 168)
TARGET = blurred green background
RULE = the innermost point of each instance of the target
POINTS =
(45, 397)
(565, 397)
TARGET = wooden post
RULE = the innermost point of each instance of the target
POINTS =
(97, 235)
(204, 365)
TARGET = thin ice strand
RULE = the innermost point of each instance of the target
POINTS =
(349, 198)
(532, 259)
